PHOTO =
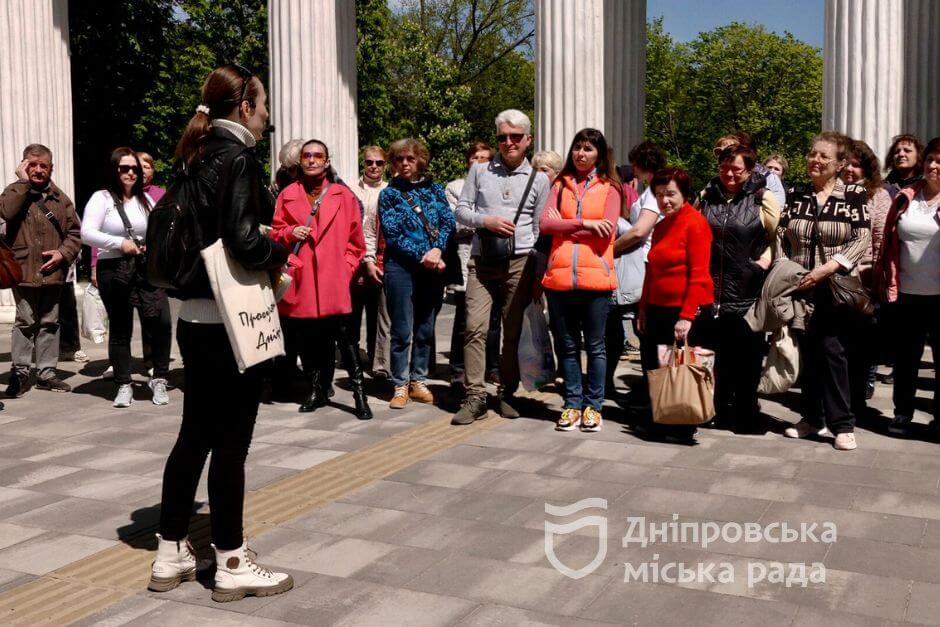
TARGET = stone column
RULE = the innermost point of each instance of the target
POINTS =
(590, 69)
(313, 77)
(35, 92)
(921, 87)
(863, 70)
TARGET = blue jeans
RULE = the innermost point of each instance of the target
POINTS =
(575, 312)
(413, 296)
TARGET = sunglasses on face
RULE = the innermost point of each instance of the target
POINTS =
(513, 137)
(316, 156)
(124, 169)
(378, 162)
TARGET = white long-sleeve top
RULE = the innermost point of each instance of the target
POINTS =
(103, 228)
(368, 195)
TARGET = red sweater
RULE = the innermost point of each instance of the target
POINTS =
(677, 266)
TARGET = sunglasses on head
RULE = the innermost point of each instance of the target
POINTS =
(124, 169)
(514, 137)
(246, 75)
(378, 162)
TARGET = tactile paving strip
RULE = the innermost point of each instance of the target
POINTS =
(89, 585)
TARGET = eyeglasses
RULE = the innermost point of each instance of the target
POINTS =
(513, 137)
(820, 157)
(378, 162)
(246, 80)
(406, 158)
(124, 169)
(316, 156)
(727, 167)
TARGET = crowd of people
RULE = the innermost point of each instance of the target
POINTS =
(849, 264)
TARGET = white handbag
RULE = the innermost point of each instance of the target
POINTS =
(248, 307)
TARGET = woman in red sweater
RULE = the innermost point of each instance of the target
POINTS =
(678, 283)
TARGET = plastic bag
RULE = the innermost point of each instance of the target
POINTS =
(536, 361)
(94, 316)
(782, 368)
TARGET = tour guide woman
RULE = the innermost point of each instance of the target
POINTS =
(582, 210)
(220, 404)
(321, 220)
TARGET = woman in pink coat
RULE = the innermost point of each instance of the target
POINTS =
(320, 220)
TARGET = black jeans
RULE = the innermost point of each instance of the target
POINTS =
(918, 319)
(739, 355)
(460, 327)
(831, 350)
(69, 339)
(365, 299)
(122, 290)
(614, 338)
(219, 410)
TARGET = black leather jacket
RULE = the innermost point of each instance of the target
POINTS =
(738, 241)
(236, 213)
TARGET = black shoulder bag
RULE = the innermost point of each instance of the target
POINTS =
(847, 290)
(140, 261)
(453, 273)
(496, 248)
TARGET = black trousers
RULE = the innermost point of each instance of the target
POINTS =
(220, 406)
(918, 319)
(832, 356)
(739, 355)
(614, 338)
(660, 325)
(365, 299)
(69, 338)
(122, 290)
(316, 341)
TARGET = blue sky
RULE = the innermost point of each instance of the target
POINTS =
(685, 19)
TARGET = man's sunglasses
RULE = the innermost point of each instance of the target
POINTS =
(378, 162)
(514, 137)
(124, 169)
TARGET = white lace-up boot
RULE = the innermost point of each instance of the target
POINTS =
(237, 575)
(175, 563)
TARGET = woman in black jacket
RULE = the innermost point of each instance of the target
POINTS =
(220, 404)
(743, 216)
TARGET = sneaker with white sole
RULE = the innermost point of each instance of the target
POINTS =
(237, 575)
(805, 429)
(158, 387)
(125, 396)
(108, 373)
(175, 563)
(400, 399)
(845, 442)
(569, 420)
(591, 420)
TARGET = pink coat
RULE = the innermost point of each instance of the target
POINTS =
(330, 257)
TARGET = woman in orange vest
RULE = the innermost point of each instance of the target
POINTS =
(582, 209)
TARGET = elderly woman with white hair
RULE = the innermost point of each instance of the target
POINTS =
(288, 171)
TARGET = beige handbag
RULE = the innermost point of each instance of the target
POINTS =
(248, 307)
(682, 393)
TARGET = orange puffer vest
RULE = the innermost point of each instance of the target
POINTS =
(587, 264)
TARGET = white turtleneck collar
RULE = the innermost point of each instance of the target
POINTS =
(240, 132)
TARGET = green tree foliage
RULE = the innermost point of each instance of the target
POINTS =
(441, 70)
(736, 77)
(137, 68)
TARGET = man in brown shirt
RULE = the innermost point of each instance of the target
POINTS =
(44, 232)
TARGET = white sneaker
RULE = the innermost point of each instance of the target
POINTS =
(804, 429)
(175, 563)
(158, 387)
(125, 396)
(237, 575)
(845, 442)
(109, 373)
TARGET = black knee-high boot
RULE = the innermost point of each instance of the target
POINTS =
(350, 355)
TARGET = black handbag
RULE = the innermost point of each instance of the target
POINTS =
(453, 272)
(140, 261)
(847, 290)
(496, 248)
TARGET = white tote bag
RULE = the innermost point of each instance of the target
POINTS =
(248, 307)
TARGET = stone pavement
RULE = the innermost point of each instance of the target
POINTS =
(457, 536)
